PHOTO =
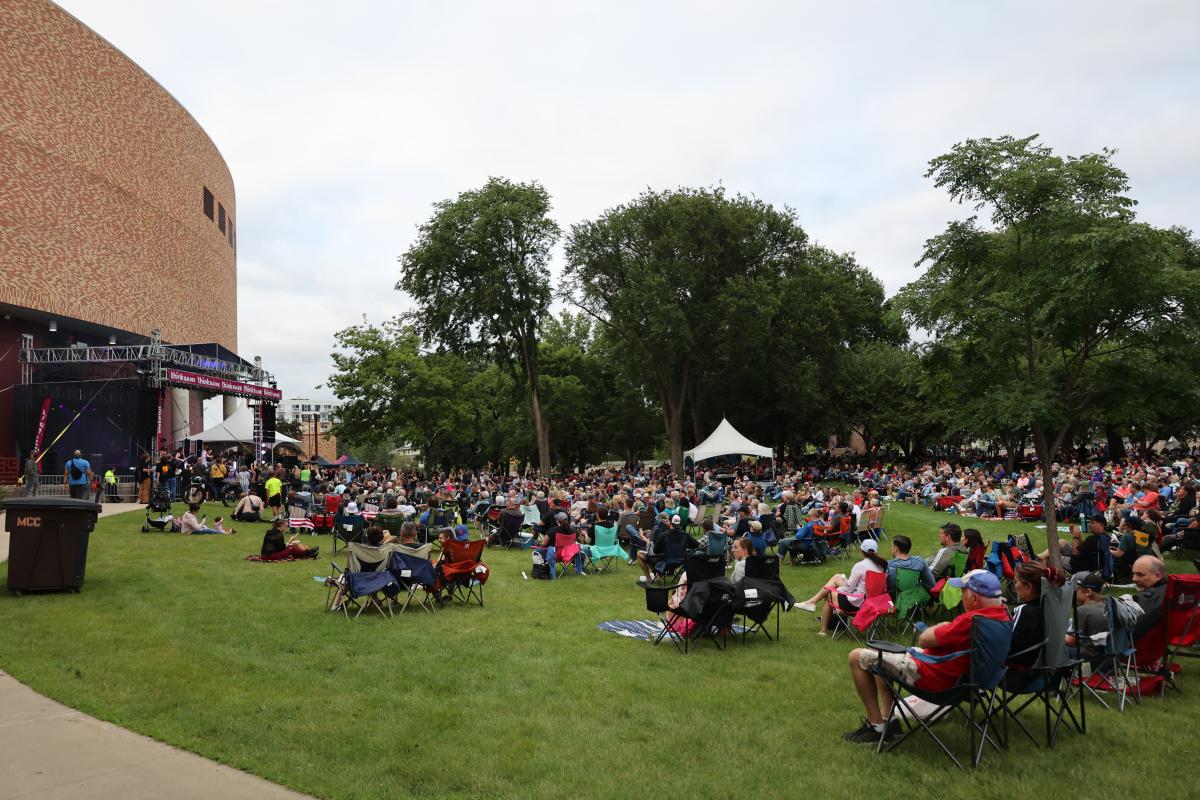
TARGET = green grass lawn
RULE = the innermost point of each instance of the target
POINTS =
(178, 638)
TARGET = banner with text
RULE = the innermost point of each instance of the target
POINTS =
(192, 380)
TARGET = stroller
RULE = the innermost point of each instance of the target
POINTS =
(160, 503)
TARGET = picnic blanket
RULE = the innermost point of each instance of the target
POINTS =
(645, 629)
(258, 559)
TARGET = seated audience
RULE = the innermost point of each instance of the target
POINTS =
(276, 547)
(1150, 576)
(190, 524)
(847, 593)
(1090, 626)
(249, 508)
(1029, 628)
(901, 545)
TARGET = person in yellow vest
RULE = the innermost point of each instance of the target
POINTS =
(216, 478)
(274, 488)
(110, 485)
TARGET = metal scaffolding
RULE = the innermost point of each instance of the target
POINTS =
(154, 356)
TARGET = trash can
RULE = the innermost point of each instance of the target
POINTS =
(48, 541)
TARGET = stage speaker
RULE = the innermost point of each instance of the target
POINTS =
(268, 423)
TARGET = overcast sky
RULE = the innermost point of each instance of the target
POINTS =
(343, 122)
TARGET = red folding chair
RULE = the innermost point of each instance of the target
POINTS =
(566, 551)
(461, 572)
(1181, 625)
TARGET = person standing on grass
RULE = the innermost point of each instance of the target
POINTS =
(141, 477)
(78, 476)
(274, 489)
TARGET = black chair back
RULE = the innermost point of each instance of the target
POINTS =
(703, 567)
(763, 567)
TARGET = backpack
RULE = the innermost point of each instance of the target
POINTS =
(76, 472)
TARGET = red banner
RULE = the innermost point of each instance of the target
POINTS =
(41, 428)
(194, 380)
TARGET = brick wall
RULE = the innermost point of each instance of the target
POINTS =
(102, 174)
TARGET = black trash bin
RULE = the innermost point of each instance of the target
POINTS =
(48, 541)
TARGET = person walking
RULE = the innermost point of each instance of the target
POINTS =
(78, 477)
(32, 479)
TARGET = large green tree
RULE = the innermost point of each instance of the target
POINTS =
(658, 273)
(1064, 282)
(394, 392)
(478, 273)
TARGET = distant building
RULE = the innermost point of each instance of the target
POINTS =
(316, 418)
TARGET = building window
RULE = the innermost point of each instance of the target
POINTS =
(220, 218)
(208, 203)
(231, 231)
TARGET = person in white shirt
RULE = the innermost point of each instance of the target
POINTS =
(847, 592)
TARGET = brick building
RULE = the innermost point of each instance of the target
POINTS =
(117, 217)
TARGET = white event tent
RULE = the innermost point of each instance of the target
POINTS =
(237, 427)
(726, 441)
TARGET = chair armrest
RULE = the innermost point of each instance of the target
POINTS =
(886, 647)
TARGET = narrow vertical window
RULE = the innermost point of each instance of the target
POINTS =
(208, 203)
(220, 218)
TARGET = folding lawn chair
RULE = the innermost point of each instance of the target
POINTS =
(706, 611)
(670, 561)
(1050, 679)
(462, 572)
(605, 550)
(347, 528)
(363, 590)
(1181, 621)
(509, 530)
(693, 525)
(567, 551)
(717, 543)
(947, 598)
(1115, 672)
(367, 558)
(990, 640)
(414, 573)
(845, 622)
(911, 599)
(760, 593)
(392, 523)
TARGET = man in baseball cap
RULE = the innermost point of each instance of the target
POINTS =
(981, 597)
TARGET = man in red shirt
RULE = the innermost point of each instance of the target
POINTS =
(981, 595)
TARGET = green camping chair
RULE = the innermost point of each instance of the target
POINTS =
(605, 548)
(951, 596)
(911, 599)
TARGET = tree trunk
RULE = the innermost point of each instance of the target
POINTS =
(1044, 449)
(1116, 443)
(694, 411)
(673, 422)
(541, 428)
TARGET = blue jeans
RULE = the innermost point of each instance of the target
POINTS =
(636, 542)
(548, 553)
(171, 487)
(205, 530)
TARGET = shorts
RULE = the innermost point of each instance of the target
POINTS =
(845, 604)
(275, 500)
(897, 665)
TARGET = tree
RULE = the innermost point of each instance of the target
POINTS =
(1064, 283)
(392, 392)
(288, 427)
(658, 270)
(478, 274)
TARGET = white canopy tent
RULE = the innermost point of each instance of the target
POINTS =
(726, 441)
(237, 427)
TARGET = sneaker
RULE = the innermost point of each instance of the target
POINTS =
(865, 733)
(812, 607)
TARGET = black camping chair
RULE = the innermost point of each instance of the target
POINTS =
(708, 605)
(668, 563)
(761, 593)
(1051, 677)
(347, 528)
(977, 691)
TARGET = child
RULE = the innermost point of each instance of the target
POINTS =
(220, 528)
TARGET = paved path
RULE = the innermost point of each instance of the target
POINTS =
(49, 751)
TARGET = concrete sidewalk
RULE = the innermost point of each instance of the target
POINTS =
(50, 751)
